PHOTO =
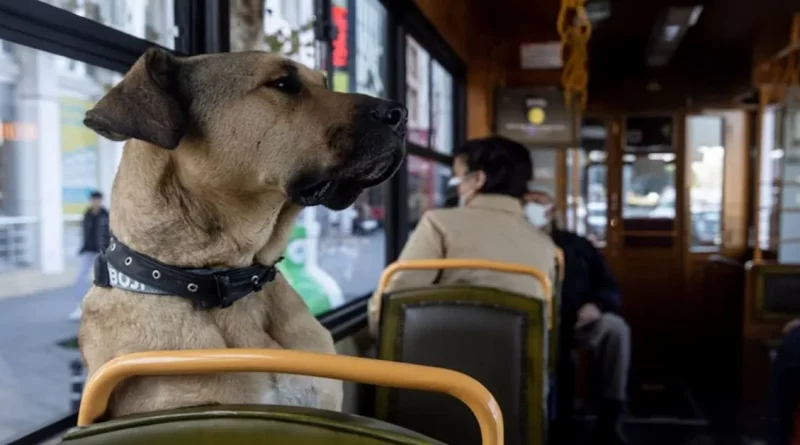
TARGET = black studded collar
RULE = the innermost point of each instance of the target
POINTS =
(121, 267)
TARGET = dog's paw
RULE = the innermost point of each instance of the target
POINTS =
(312, 392)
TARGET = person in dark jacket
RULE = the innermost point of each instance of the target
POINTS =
(96, 237)
(590, 301)
(784, 386)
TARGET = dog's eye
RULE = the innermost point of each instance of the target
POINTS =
(287, 84)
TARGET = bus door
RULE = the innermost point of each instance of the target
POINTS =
(625, 200)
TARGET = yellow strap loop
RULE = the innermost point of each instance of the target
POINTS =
(575, 29)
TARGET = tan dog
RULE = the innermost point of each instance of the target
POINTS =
(223, 151)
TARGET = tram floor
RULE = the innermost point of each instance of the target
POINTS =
(663, 432)
(663, 410)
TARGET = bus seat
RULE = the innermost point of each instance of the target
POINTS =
(240, 425)
(496, 337)
(244, 424)
(796, 435)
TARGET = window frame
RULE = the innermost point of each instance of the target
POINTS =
(204, 27)
(412, 23)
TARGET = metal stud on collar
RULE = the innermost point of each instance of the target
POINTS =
(112, 246)
(128, 261)
(255, 279)
(192, 287)
(156, 274)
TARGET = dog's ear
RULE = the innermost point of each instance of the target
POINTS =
(145, 105)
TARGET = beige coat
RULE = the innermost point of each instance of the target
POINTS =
(491, 227)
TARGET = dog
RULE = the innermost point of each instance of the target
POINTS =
(222, 153)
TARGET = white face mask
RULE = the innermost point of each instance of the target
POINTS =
(537, 214)
(455, 181)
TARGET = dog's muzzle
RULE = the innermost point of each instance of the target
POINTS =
(375, 141)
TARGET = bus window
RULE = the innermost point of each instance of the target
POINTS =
(707, 161)
(648, 186)
(418, 83)
(427, 186)
(595, 195)
(589, 205)
(789, 244)
(441, 109)
(648, 172)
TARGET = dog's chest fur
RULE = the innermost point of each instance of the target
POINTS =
(118, 322)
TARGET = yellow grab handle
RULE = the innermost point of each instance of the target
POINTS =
(458, 263)
(370, 371)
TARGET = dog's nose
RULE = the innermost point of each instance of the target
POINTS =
(393, 114)
(396, 116)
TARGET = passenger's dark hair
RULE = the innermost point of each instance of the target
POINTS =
(96, 195)
(507, 164)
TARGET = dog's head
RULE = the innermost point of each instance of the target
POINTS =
(256, 121)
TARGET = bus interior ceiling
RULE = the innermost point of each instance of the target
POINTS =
(710, 63)
(653, 57)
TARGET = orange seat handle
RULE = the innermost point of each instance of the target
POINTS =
(370, 371)
(458, 263)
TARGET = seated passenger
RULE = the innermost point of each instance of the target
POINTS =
(784, 388)
(589, 300)
(491, 176)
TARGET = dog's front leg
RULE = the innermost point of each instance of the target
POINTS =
(290, 323)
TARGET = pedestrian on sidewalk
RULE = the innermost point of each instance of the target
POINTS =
(96, 237)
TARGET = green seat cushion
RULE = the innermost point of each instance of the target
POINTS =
(244, 424)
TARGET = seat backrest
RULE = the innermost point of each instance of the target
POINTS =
(496, 337)
(772, 292)
(220, 424)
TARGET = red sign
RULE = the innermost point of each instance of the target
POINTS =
(339, 16)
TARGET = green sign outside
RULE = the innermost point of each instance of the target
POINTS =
(301, 274)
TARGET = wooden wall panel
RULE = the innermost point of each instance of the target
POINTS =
(452, 19)
(653, 304)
